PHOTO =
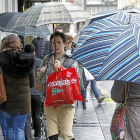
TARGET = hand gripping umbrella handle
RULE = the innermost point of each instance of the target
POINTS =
(56, 70)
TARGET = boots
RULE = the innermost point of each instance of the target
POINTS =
(37, 138)
(100, 99)
(54, 137)
(74, 120)
(84, 104)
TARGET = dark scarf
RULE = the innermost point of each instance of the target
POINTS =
(17, 65)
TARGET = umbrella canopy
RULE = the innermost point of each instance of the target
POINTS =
(97, 26)
(113, 53)
(52, 12)
(7, 21)
(92, 19)
(132, 10)
(81, 35)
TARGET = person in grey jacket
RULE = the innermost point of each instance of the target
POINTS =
(42, 47)
(133, 107)
(35, 100)
(60, 119)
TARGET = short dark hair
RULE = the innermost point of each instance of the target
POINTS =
(29, 48)
(61, 34)
(58, 27)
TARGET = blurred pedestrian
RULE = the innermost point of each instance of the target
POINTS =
(89, 78)
(42, 47)
(28, 127)
(35, 99)
(70, 49)
(59, 29)
(69, 45)
(133, 107)
(60, 119)
(18, 77)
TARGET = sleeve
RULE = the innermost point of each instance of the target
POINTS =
(41, 65)
(75, 65)
(32, 79)
(118, 91)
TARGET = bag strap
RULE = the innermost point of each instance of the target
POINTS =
(127, 88)
(47, 60)
(48, 57)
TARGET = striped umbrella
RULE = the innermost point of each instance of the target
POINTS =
(99, 25)
(52, 12)
(93, 18)
(112, 53)
(123, 59)
(124, 15)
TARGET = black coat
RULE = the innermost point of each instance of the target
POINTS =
(42, 47)
(33, 90)
(18, 78)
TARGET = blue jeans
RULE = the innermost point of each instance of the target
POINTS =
(94, 88)
(3, 124)
(15, 126)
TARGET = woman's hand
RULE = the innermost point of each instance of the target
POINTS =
(57, 64)
(43, 69)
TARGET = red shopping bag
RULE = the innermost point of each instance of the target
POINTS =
(62, 88)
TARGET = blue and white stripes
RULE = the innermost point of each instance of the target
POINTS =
(112, 53)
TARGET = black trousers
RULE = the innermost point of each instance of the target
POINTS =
(35, 111)
(35, 114)
(28, 135)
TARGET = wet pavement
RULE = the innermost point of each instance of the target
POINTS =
(93, 123)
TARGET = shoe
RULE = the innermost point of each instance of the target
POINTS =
(84, 105)
(74, 121)
(37, 138)
(100, 99)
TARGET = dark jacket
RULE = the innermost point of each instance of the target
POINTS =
(133, 107)
(18, 78)
(42, 47)
(37, 63)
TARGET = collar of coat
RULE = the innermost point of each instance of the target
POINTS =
(17, 65)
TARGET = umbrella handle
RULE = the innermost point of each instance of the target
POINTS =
(56, 70)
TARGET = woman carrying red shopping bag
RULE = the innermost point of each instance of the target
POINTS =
(60, 119)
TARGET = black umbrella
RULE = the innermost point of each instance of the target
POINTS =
(7, 21)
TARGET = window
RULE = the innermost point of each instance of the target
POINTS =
(89, 9)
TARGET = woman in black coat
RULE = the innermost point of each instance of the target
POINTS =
(18, 78)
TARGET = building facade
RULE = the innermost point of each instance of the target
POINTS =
(96, 6)
(125, 4)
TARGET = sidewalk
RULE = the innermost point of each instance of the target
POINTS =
(93, 123)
